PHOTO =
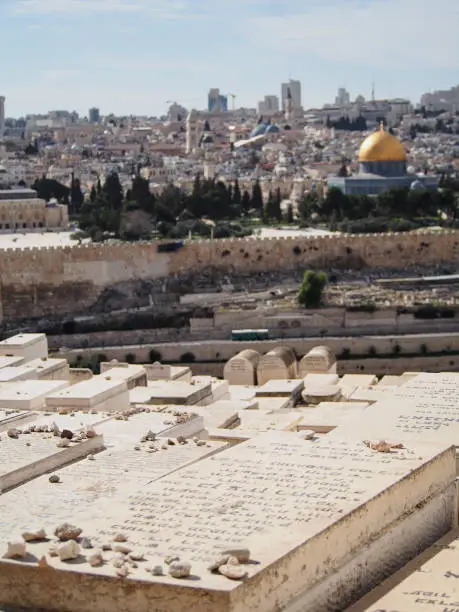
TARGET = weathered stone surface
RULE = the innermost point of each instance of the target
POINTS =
(299, 506)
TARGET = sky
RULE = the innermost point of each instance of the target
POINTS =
(131, 56)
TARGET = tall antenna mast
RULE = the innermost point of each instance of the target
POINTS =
(373, 91)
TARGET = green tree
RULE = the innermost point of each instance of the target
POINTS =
(237, 197)
(50, 188)
(311, 289)
(112, 192)
(309, 204)
(246, 203)
(334, 202)
(76, 195)
(268, 212)
(257, 197)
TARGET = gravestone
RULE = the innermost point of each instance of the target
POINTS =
(31, 455)
(242, 368)
(14, 418)
(320, 359)
(326, 416)
(425, 408)
(29, 394)
(278, 364)
(281, 388)
(100, 393)
(86, 486)
(159, 371)
(298, 506)
(170, 392)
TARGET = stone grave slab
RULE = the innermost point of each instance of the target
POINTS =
(29, 394)
(100, 393)
(425, 408)
(320, 380)
(215, 416)
(159, 371)
(428, 583)
(220, 388)
(86, 486)
(11, 374)
(273, 404)
(29, 456)
(170, 392)
(391, 381)
(11, 361)
(14, 418)
(316, 395)
(73, 421)
(169, 422)
(242, 392)
(258, 421)
(372, 395)
(358, 380)
(236, 404)
(328, 415)
(281, 388)
(298, 506)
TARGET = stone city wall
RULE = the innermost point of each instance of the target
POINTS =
(60, 281)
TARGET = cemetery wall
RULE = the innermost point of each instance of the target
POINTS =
(57, 281)
(222, 350)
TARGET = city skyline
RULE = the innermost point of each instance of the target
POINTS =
(130, 56)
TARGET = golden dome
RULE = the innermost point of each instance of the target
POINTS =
(381, 146)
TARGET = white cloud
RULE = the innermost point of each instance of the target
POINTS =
(379, 33)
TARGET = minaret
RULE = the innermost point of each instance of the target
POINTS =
(289, 106)
(191, 132)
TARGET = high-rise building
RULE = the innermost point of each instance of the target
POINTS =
(2, 116)
(216, 102)
(269, 106)
(94, 115)
(343, 98)
(295, 93)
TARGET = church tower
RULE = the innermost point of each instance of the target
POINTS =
(191, 132)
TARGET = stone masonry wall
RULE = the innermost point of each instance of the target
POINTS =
(59, 281)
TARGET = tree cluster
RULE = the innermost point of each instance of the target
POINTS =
(359, 124)
(211, 207)
(396, 209)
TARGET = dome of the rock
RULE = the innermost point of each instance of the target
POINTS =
(382, 146)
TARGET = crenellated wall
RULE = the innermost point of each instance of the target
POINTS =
(59, 281)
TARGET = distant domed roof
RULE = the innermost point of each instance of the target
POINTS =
(382, 146)
(259, 130)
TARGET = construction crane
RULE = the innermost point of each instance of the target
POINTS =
(233, 97)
